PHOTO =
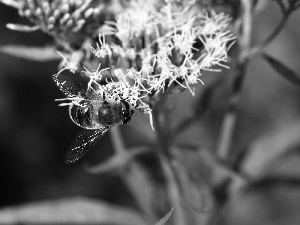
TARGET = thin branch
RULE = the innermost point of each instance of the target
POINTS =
(160, 117)
(117, 140)
(172, 189)
(259, 48)
(229, 121)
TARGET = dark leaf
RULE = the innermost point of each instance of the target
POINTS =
(256, 203)
(142, 185)
(287, 6)
(165, 218)
(284, 71)
(193, 168)
(269, 182)
(39, 54)
(118, 160)
(284, 5)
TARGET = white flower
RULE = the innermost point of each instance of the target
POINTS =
(135, 20)
(117, 91)
(94, 76)
(102, 50)
(70, 62)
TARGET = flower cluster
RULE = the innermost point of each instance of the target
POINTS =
(144, 49)
(164, 43)
(160, 47)
(69, 22)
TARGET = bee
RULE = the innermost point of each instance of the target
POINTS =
(91, 111)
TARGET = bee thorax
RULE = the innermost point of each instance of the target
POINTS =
(110, 114)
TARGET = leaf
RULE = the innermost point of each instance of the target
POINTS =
(78, 210)
(283, 4)
(193, 168)
(21, 27)
(202, 105)
(256, 204)
(165, 218)
(285, 72)
(118, 160)
(269, 148)
(142, 184)
(39, 54)
(287, 6)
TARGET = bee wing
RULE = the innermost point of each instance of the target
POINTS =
(67, 86)
(82, 143)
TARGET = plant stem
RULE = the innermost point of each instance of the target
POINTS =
(172, 189)
(229, 121)
(160, 116)
(117, 140)
(133, 174)
(258, 49)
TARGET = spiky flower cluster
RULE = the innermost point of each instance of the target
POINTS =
(101, 80)
(163, 46)
(145, 49)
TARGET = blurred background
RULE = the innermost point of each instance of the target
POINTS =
(35, 133)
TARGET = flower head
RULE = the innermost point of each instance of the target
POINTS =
(158, 51)
(69, 22)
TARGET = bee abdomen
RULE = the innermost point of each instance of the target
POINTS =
(82, 116)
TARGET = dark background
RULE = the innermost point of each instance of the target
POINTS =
(35, 133)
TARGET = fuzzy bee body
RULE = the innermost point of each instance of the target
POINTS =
(91, 112)
(100, 114)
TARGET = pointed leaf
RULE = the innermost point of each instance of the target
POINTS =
(165, 218)
(284, 71)
(141, 185)
(118, 160)
(284, 5)
(288, 6)
(40, 54)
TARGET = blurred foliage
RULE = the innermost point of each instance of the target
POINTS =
(71, 211)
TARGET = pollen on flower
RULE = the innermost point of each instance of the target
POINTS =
(186, 36)
(137, 19)
(156, 51)
(117, 91)
(70, 62)
(214, 23)
(113, 91)
(216, 49)
(102, 50)
(94, 76)
(139, 78)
